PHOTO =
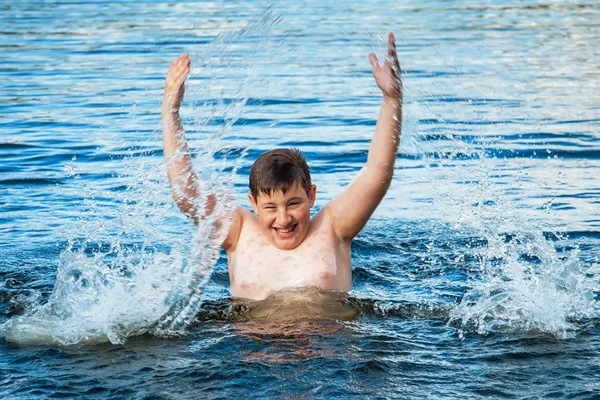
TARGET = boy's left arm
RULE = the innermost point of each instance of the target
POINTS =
(352, 208)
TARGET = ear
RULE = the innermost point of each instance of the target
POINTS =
(254, 203)
(312, 195)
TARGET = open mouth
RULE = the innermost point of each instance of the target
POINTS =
(285, 233)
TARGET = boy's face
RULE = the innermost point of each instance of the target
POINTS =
(284, 218)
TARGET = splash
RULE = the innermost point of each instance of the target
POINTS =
(522, 273)
(528, 286)
(133, 265)
(528, 280)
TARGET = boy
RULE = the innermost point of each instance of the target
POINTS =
(279, 245)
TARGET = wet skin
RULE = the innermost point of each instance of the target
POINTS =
(279, 246)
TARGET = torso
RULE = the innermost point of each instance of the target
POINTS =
(258, 269)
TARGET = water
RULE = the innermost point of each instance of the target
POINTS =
(477, 276)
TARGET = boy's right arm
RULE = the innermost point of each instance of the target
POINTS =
(182, 178)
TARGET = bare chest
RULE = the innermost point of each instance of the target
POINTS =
(258, 269)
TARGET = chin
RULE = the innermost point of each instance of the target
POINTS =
(285, 246)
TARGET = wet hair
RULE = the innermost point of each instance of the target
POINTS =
(279, 169)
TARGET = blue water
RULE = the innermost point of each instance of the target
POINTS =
(477, 277)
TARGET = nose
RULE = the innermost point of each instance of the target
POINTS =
(283, 218)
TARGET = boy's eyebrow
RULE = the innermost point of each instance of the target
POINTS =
(270, 203)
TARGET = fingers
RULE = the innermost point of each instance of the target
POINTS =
(180, 68)
(391, 46)
(182, 61)
(392, 55)
(387, 76)
(373, 60)
(182, 64)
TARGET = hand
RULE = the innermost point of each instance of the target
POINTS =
(175, 82)
(387, 76)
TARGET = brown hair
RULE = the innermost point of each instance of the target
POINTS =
(279, 169)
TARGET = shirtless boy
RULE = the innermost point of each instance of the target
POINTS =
(280, 246)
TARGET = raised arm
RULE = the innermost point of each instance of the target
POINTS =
(182, 179)
(352, 208)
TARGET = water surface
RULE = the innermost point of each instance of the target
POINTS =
(476, 277)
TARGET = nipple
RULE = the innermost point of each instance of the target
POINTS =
(324, 275)
(245, 285)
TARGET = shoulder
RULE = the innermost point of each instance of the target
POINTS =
(322, 221)
(330, 217)
(241, 217)
(350, 210)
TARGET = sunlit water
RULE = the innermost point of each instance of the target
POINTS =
(477, 276)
